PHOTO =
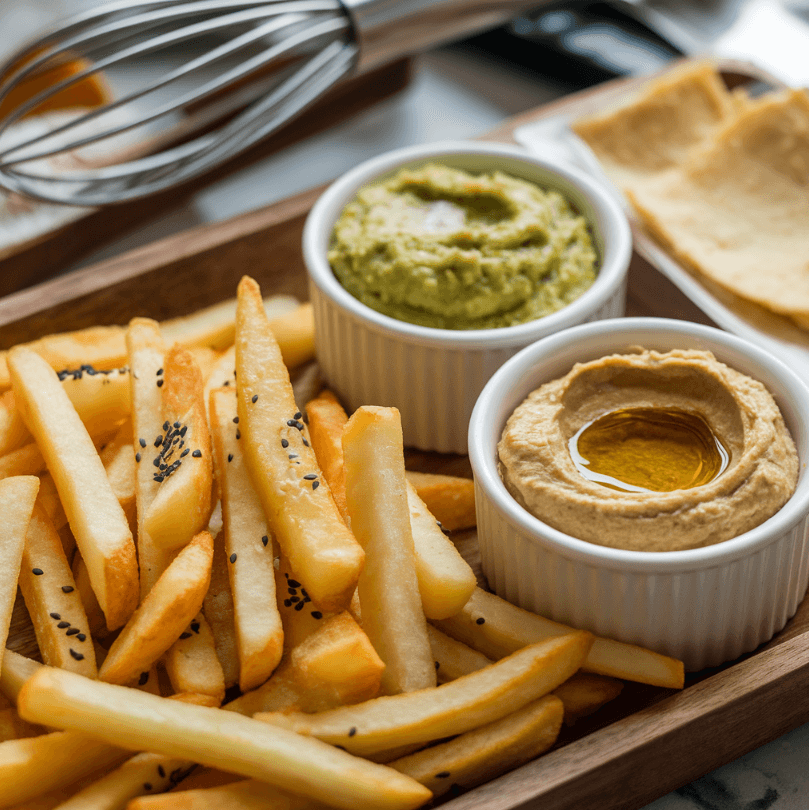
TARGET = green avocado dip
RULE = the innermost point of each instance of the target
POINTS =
(439, 247)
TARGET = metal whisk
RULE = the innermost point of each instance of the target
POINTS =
(248, 67)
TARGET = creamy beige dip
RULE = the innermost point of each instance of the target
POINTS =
(538, 470)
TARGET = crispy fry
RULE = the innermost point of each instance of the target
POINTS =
(454, 659)
(182, 505)
(146, 357)
(48, 499)
(205, 359)
(585, 692)
(100, 526)
(15, 670)
(163, 615)
(100, 399)
(326, 422)
(226, 740)
(17, 499)
(95, 616)
(13, 727)
(245, 794)
(26, 460)
(295, 333)
(192, 665)
(488, 751)
(222, 375)
(53, 602)
(453, 708)
(506, 628)
(118, 458)
(335, 666)
(259, 634)
(302, 516)
(376, 496)
(449, 498)
(13, 432)
(218, 609)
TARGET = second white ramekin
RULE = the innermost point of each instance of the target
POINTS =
(705, 605)
(433, 376)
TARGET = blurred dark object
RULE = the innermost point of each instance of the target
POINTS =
(578, 44)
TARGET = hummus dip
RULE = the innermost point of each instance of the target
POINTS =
(539, 470)
(439, 247)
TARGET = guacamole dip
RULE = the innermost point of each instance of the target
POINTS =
(439, 247)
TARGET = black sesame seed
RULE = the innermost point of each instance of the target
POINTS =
(194, 626)
(298, 415)
(292, 422)
(227, 382)
(293, 583)
(284, 443)
(293, 455)
(74, 631)
(305, 598)
(185, 635)
(144, 679)
(137, 456)
(197, 454)
(156, 462)
(37, 572)
(230, 457)
(310, 477)
(294, 599)
(166, 426)
(161, 770)
(316, 614)
(315, 484)
(286, 575)
(142, 442)
(185, 452)
(352, 731)
(233, 557)
(265, 540)
(238, 434)
(62, 625)
(55, 616)
(76, 655)
(306, 444)
(81, 637)
(287, 603)
(160, 383)
(183, 432)
(158, 478)
(254, 399)
(440, 525)
(340, 747)
(235, 420)
(481, 620)
(67, 589)
(158, 441)
(147, 786)
(177, 425)
(299, 606)
(442, 775)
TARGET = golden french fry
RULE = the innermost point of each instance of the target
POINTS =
(143, 773)
(245, 794)
(192, 664)
(13, 727)
(26, 460)
(496, 628)
(449, 498)
(48, 499)
(450, 709)
(17, 499)
(146, 356)
(118, 458)
(95, 616)
(205, 778)
(376, 496)
(184, 468)
(133, 719)
(295, 333)
(488, 751)
(13, 432)
(99, 525)
(335, 666)
(446, 581)
(301, 511)
(205, 359)
(326, 422)
(222, 375)
(585, 692)
(259, 634)
(218, 610)
(163, 615)
(53, 601)
(454, 659)
(15, 670)
(101, 399)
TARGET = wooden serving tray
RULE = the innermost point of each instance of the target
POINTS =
(643, 745)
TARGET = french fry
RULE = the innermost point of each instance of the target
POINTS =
(118, 458)
(184, 469)
(295, 333)
(163, 615)
(101, 399)
(143, 773)
(13, 432)
(246, 794)
(192, 664)
(505, 628)
(95, 616)
(585, 692)
(449, 498)
(48, 499)
(450, 709)
(53, 602)
(15, 670)
(13, 727)
(226, 740)
(259, 634)
(146, 354)
(488, 751)
(326, 422)
(100, 527)
(376, 496)
(454, 659)
(26, 460)
(17, 499)
(301, 512)
(205, 778)
(218, 610)
(446, 581)
(205, 359)
(222, 375)
(335, 666)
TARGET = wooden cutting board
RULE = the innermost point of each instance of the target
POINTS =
(643, 745)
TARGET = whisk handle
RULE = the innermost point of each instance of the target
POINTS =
(389, 29)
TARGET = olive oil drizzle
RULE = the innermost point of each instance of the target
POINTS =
(648, 450)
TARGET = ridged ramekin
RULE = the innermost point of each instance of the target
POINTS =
(705, 605)
(434, 376)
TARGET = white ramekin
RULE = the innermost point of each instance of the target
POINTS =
(705, 605)
(433, 376)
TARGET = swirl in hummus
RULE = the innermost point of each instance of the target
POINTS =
(538, 470)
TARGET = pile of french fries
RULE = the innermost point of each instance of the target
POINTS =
(240, 606)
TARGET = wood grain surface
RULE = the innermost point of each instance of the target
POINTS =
(647, 742)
